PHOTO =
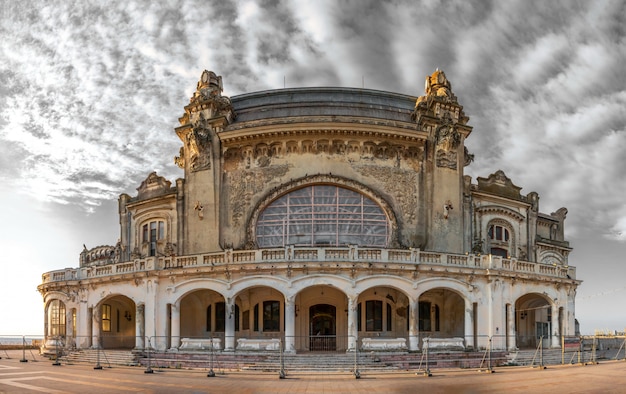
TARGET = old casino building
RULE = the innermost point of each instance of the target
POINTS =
(321, 219)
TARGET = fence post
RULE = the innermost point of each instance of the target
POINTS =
(98, 366)
(23, 360)
(541, 353)
(211, 373)
(281, 373)
(56, 352)
(357, 374)
(427, 371)
(489, 357)
(149, 367)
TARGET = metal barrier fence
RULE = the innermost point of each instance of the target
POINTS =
(280, 354)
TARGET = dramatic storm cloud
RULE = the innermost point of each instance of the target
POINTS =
(90, 94)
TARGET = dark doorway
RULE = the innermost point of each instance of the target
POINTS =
(322, 333)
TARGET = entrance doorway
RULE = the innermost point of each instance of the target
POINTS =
(323, 328)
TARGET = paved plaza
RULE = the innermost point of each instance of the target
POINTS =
(39, 375)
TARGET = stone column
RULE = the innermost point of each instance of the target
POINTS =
(510, 324)
(69, 328)
(175, 326)
(469, 324)
(554, 329)
(414, 340)
(140, 327)
(229, 334)
(353, 324)
(95, 328)
(46, 327)
(290, 325)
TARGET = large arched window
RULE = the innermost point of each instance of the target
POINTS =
(152, 232)
(56, 318)
(501, 238)
(322, 215)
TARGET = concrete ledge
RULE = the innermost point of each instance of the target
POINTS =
(435, 344)
(200, 344)
(258, 344)
(383, 344)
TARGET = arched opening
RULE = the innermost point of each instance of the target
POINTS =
(320, 324)
(261, 313)
(441, 314)
(323, 327)
(117, 322)
(202, 315)
(533, 321)
(383, 314)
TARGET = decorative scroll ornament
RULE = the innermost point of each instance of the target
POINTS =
(207, 113)
(208, 99)
(448, 140)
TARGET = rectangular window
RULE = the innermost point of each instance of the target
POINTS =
(271, 316)
(358, 317)
(74, 322)
(161, 230)
(220, 317)
(373, 315)
(153, 238)
(57, 318)
(389, 316)
(246, 320)
(208, 318)
(106, 318)
(145, 233)
(256, 317)
(236, 317)
(424, 316)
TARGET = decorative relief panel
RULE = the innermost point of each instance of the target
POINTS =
(448, 140)
(244, 184)
(260, 154)
(401, 184)
(206, 114)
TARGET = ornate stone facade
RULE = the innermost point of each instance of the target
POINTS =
(322, 219)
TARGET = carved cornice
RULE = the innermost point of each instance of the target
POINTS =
(404, 126)
(500, 210)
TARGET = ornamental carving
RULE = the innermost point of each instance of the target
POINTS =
(207, 113)
(208, 99)
(244, 185)
(448, 138)
(400, 184)
(468, 158)
(198, 142)
(153, 185)
(262, 153)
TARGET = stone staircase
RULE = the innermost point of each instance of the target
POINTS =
(104, 357)
(268, 361)
(322, 362)
(319, 361)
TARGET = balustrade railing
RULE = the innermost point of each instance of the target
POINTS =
(309, 254)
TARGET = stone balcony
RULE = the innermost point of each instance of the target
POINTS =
(353, 261)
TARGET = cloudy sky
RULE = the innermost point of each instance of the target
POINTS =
(90, 95)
